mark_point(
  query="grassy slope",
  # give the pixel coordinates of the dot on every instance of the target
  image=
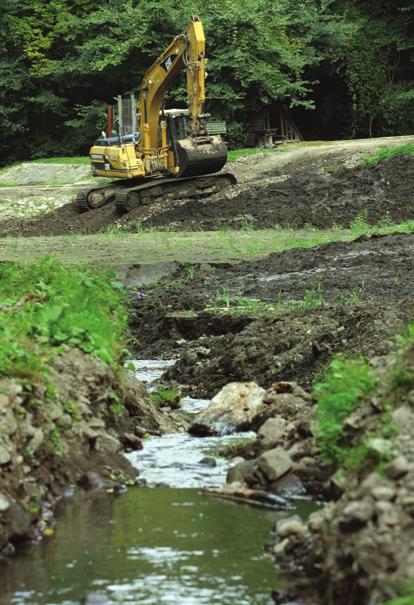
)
(118, 249)
(44, 306)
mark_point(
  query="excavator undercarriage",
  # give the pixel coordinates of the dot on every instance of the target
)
(128, 195)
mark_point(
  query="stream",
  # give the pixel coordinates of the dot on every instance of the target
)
(161, 544)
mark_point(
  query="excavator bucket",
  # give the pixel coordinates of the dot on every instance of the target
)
(204, 155)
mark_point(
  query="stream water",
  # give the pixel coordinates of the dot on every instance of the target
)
(153, 545)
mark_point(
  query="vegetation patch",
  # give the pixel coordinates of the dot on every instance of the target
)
(167, 397)
(338, 395)
(45, 305)
(387, 152)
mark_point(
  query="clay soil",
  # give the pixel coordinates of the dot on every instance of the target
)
(341, 297)
(319, 186)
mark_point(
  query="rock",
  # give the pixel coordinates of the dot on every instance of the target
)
(382, 492)
(272, 431)
(207, 461)
(288, 486)
(37, 440)
(4, 503)
(8, 424)
(54, 411)
(132, 442)
(241, 473)
(96, 423)
(380, 447)
(397, 468)
(87, 432)
(355, 515)
(232, 409)
(408, 504)
(274, 464)
(280, 547)
(65, 421)
(292, 526)
(5, 456)
(105, 442)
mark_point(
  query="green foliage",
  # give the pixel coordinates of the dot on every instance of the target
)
(387, 152)
(406, 596)
(46, 305)
(62, 62)
(346, 381)
(167, 397)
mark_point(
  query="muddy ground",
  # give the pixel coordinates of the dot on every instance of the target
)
(337, 297)
(322, 187)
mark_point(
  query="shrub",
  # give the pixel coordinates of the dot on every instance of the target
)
(346, 381)
(45, 305)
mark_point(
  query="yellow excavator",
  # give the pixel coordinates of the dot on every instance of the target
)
(172, 151)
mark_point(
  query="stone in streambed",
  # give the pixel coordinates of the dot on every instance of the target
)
(242, 473)
(232, 409)
(272, 431)
(274, 464)
(208, 461)
(292, 526)
(132, 442)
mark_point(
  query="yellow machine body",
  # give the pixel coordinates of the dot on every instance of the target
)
(169, 142)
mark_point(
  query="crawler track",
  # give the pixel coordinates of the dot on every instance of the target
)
(132, 194)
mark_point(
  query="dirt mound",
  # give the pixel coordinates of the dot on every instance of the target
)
(291, 347)
(349, 297)
(304, 196)
(300, 193)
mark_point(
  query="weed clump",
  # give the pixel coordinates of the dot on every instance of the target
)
(45, 305)
(338, 395)
(387, 152)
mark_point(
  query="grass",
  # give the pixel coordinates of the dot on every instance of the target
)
(117, 248)
(338, 395)
(406, 597)
(45, 305)
(347, 383)
(166, 397)
(387, 152)
(63, 160)
(231, 449)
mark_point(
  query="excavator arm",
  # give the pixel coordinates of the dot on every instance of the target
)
(186, 51)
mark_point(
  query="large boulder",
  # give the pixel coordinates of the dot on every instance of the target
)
(233, 409)
(274, 464)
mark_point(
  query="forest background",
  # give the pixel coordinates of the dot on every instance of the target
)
(345, 68)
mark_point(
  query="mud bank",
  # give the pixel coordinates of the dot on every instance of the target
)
(315, 190)
(70, 434)
(358, 550)
(328, 299)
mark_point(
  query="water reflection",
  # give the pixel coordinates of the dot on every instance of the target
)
(151, 546)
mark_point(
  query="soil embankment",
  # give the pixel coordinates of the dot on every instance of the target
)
(317, 302)
(75, 438)
(321, 187)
